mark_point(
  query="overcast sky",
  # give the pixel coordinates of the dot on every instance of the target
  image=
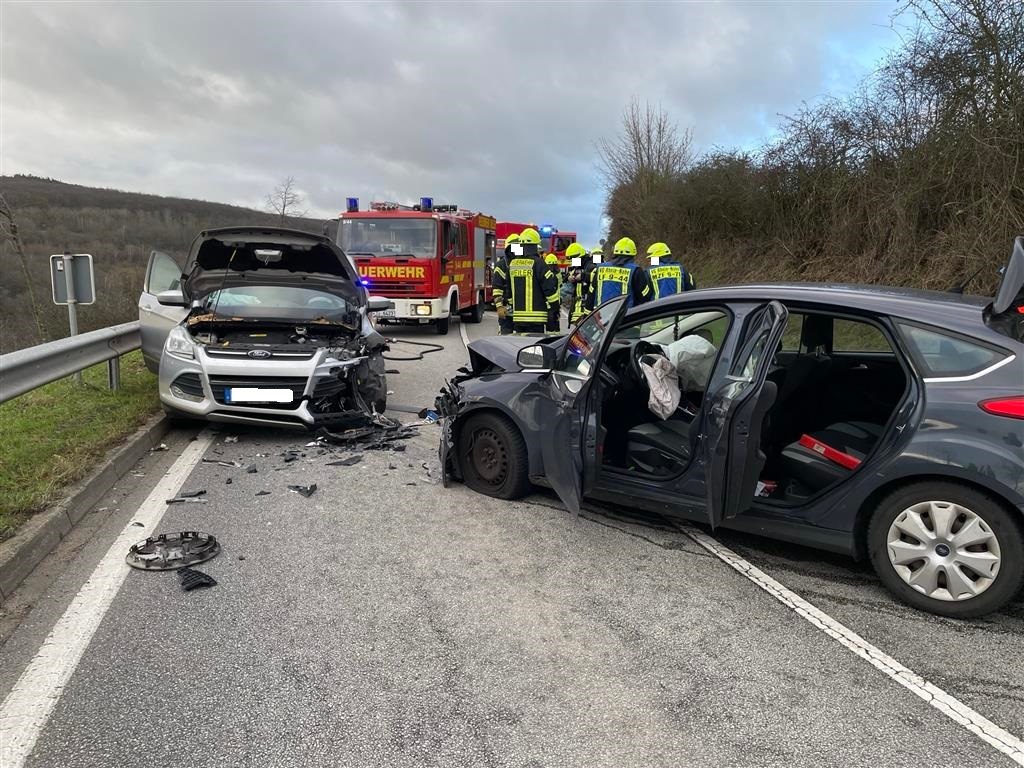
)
(494, 106)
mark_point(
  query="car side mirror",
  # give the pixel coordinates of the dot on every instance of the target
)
(536, 357)
(172, 298)
(379, 304)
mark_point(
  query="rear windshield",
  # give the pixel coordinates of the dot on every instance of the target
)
(943, 355)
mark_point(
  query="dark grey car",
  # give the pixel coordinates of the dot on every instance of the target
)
(874, 422)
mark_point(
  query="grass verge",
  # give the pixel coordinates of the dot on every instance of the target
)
(53, 435)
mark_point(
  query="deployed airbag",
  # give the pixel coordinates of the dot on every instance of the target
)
(663, 381)
(694, 357)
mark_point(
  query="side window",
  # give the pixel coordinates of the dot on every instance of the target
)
(463, 239)
(164, 274)
(944, 355)
(691, 342)
(855, 336)
(584, 345)
(791, 336)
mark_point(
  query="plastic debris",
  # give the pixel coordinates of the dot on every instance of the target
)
(231, 439)
(290, 457)
(186, 497)
(251, 469)
(303, 490)
(156, 448)
(345, 462)
(428, 416)
(193, 579)
(169, 551)
(262, 493)
(222, 463)
(241, 557)
(228, 481)
(138, 524)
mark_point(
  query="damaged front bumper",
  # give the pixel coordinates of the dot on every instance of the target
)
(449, 404)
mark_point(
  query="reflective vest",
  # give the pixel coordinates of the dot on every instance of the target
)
(529, 304)
(668, 279)
(611, 280)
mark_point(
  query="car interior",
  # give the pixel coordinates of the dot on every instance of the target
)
(838, 382)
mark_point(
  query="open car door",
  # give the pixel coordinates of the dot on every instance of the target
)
(563, 400)
(731, 445)
(156, 320)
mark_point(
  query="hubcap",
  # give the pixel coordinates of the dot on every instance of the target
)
(943, 550)
(489, 457)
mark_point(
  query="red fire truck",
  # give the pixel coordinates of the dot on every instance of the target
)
(551, 239)
(432, 261)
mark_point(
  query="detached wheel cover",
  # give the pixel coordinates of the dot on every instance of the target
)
(943, 550)
(170, 551)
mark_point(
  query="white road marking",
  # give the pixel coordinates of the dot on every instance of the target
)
(955, 710)
(29, 704)
(464, 333)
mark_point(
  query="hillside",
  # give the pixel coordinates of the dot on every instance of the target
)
(118, 228)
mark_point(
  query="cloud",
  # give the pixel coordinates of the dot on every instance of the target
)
(493, 106)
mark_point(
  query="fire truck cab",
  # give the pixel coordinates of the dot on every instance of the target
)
(551, 239)
(432, 261)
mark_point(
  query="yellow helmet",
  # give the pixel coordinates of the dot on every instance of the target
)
(513, 238)
(624, 246)
(659, 250)
(530, 236)
(596, 251)
(575, 250)
(551, 259)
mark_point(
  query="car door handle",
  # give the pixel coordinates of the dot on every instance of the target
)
(146, 308)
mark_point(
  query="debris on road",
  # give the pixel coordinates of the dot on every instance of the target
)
(252, 469)
(303, 490)
(193, 497)
(428, 416)
(169, 551)
(290, 457)
(138, 524)
(193, 579)
(231, 439)
(345, 462)
(161, 447)
(262, 493)
(228, 481)
(222, 463)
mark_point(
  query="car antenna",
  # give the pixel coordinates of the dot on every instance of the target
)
(222, 282)
(962, 286)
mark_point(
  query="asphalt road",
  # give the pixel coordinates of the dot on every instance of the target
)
(388, 621)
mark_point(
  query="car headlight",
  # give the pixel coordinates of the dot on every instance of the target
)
(180, 344)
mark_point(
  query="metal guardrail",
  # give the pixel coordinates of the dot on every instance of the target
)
(26, 369)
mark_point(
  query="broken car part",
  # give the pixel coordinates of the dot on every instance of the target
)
(303, 490)
(193, 579)
(345, 462)
(169, 551)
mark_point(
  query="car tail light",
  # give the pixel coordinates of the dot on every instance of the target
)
(1012, 407)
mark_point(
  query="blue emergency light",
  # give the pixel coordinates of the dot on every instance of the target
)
(352, 204)
(546, 230)
(426, 204)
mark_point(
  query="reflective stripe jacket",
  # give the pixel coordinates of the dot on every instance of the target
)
(532, 286)
(582, 290)
(669, 279)
(499, 281)
(621, 277)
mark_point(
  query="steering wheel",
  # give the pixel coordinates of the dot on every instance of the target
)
(640, 349)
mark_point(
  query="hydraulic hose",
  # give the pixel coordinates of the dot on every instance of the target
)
(418, 355)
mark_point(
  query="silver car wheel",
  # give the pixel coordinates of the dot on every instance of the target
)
(943, 550)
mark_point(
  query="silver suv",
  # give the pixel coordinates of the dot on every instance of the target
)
(263, 325)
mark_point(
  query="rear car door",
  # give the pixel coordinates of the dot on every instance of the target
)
(731, 443)
(155, 320)
(569, 447)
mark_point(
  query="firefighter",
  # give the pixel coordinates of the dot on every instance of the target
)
(499, 287)
(622, 276)
(532, 286)
(667, 275)
(554, 324)
(579, 279)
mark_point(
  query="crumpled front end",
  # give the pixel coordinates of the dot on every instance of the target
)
(449, 404)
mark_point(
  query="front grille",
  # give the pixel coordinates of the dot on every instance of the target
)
(328, 386)
(385, 287)
(297, 384)
(237, 354)
(190, 384)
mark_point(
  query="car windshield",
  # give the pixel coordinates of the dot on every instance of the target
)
(274, 302)
(411, 237)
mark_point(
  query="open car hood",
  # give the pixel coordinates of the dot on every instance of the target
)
(226, 258)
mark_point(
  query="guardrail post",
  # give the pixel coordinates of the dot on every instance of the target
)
(114, 374)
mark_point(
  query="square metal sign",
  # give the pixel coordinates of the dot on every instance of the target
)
(82, 277)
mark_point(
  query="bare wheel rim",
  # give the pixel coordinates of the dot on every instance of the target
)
(943, 550)
(489, 457)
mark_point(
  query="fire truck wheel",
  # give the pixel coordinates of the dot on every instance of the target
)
(476, 312)
(446, 323)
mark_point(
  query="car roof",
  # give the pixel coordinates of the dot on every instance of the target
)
(947, 310)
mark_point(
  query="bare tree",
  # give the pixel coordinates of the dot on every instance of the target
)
(650, 148)
(286, 201)
(9, 231)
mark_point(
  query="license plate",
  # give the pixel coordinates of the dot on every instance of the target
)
(257, 395)
(385, 313)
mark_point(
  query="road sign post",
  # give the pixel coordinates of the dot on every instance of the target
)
(73, 283)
